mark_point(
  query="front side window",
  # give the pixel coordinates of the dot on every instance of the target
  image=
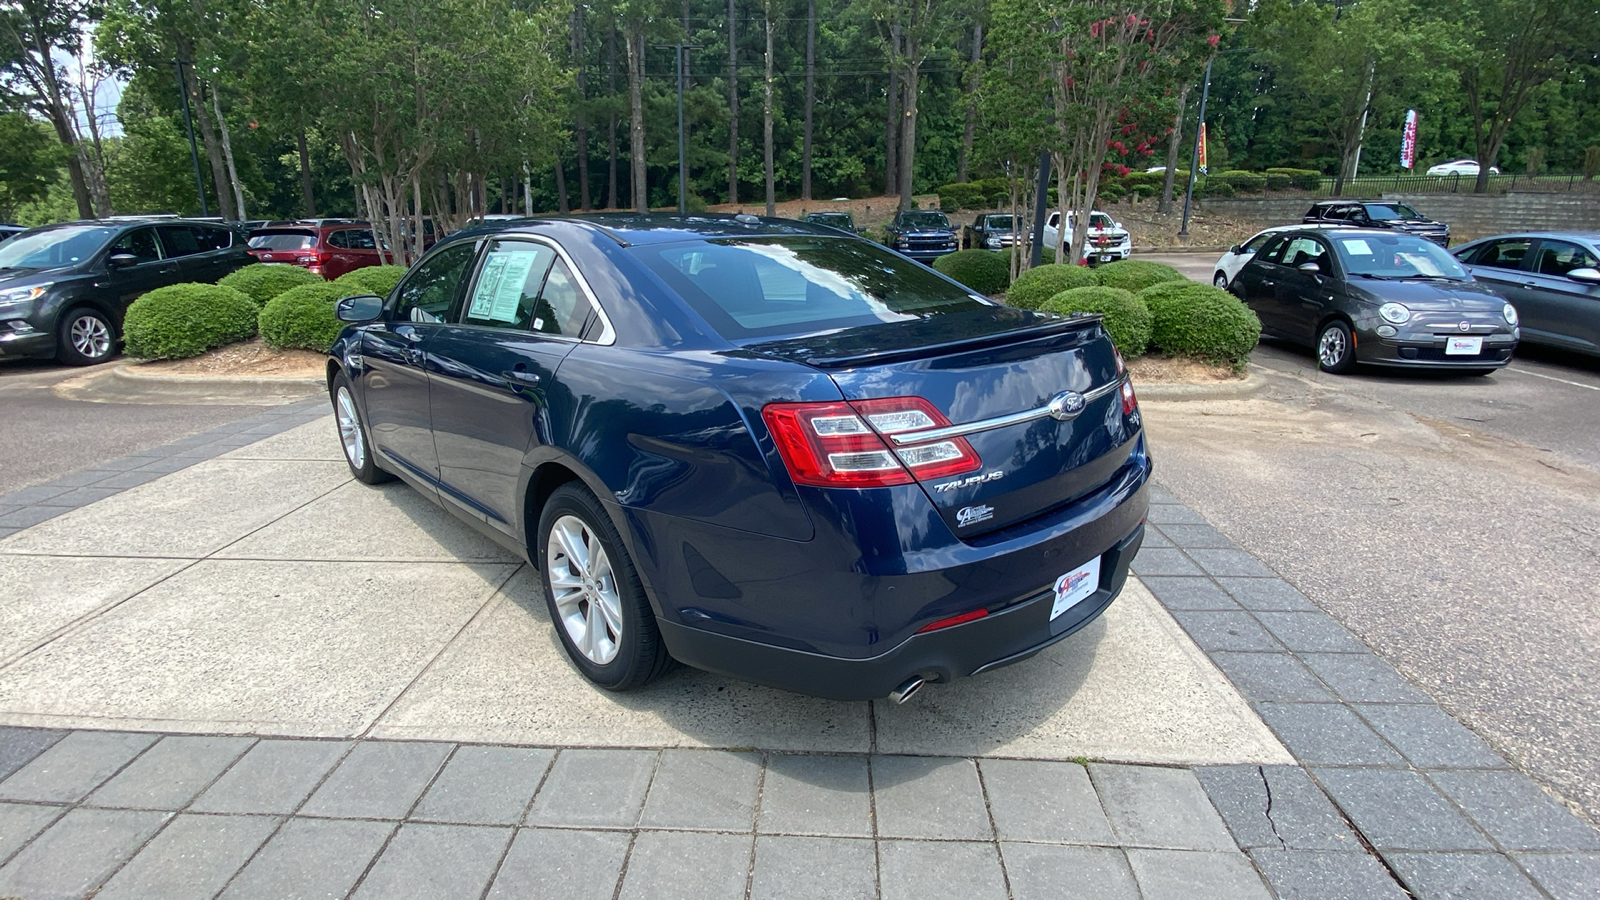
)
(1561, 257)
(1302, 250)
(139, 243)
(429, 290)
(1396, 256)
(759, 287)
(506, 294)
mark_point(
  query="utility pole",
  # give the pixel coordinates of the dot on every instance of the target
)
(681, 52)
(194, 153)
(1194, 155)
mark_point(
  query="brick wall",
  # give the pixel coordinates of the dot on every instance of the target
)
(1468, 215)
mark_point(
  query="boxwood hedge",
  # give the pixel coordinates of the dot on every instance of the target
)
(263, 281)
(1126, 318)
(1135, 274)
(378, 280)
(1033, 287)
(1201, 321)
(985, 271)
(183, 320)
(302, 318)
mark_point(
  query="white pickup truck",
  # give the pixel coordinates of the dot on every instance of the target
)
(1107, 240)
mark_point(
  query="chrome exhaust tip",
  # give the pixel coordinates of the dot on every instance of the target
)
(905, 691)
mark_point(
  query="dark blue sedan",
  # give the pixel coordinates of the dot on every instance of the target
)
(755, 446)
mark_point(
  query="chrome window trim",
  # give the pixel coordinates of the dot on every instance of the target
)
(908, 438)
(608, 335)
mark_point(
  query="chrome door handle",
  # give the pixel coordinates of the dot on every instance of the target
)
(522, 375)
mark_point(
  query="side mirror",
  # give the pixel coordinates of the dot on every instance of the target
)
(122, 260)
(1311, 267)
(1587, 275)
(1236, 249)
(361, 308)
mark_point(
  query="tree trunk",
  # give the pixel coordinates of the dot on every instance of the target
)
(908, 130)
(811, 99)
(766, 121)
(80, 187)
(561, 185)
(307, 196)
(580, 131)
(611, 121)
(733, 104)
(208, 136)
(1174, 142)
(891, 125)
(227, 155)
(419, 235)
(635, 42)
(974, 77)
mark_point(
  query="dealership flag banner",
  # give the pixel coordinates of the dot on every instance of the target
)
(1408, 141)
(1202, 148)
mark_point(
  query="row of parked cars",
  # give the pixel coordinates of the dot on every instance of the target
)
(926, 235)
(1372, 282)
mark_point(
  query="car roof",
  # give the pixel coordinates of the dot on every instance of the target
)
(630, 229)
(1592, 237)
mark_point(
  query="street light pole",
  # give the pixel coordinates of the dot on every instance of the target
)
(1194, 155)
(681, 52)
(194, 153)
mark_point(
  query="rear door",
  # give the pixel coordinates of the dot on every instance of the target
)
(493, 374)
(1258, 284)
(1300, 296)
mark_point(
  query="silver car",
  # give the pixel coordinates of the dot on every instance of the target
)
(1552, 278)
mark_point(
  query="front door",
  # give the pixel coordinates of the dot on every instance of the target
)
(495, 393)
(148, 270)
(1568, 311)
(394, 385)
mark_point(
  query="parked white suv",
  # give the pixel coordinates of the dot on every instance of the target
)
(1107, 241)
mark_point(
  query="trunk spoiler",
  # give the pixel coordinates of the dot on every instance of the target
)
(865, 346)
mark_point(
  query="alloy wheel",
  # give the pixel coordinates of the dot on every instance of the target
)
(90, 336)
(355, 449)
(1220, 280)
(1332, 348)
(585, 589)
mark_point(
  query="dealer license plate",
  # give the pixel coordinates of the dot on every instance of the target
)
(1106, 257)
(1464, 346)
(1075, 587)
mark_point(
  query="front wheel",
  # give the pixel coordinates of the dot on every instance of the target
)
(86, 337)
(1336, 349)
(353, 435)
(594, 594)
(1220, 280)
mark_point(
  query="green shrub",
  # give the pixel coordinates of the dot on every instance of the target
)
(1242, 181)
(1033, 287)
(961, 195)
(1047, 256)
(302, 318)
(985, 271)
(1215, 188)
(1135, 274)
(184, 320)
(1126, 317)
(378, 280)
(1277, 181)
(1201, 321)
(1110, 193)
(263, 281)
(1304, 179)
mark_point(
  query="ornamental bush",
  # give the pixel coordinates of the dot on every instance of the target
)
(1201, 321)
(1033, 287)
(183, 320)
(985, 271)
(1277, 181)
(378, 280)
(961, 195)
(263, 281)
(1304, 179)
(302, 318)
(1135, 274)
(1216, 188)
(1242, 181)
(1126, 318)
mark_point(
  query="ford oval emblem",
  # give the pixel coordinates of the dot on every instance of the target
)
(1065, 405)
(1465, 326)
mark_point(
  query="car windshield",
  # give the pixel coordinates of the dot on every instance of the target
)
(1396, 256)
(790, 286)
(56, 247)
(832, 220)
(1381, 212)
(923, 220)
(282, 240)
(998, 223)
(1100, 220)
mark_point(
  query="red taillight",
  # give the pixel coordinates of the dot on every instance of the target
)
(842, 443)
(1129, 401)
(953, 620)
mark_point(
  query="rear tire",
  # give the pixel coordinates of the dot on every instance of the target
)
(85, 336)
(596, 600)
(1336, 348)
(353, 434)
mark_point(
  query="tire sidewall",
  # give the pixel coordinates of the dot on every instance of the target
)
(1348, 361)
(69, 354)
(368, 473)
(635, 662)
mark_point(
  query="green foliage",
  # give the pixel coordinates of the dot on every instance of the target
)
(1242, 181)
(1126, 317)
(1135, 274)
(378, 280)
(30, 162)
(1033, 287)
(1212, 187)
(302, 318)
(985, 271)
(1201, 321)
(954, 197)
(1304, 179)
(263, 281)
(1277, 181)
(184, 320)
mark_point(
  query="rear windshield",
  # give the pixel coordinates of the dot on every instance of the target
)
(832, 220)
(283, 240)
(784, 286)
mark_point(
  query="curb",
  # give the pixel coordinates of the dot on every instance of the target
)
(1226, 390)
(119, 385)
(127, 372)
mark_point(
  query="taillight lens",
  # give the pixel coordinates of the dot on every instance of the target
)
(841, 443)
(1129, 401)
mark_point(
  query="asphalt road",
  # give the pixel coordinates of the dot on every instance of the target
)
(46, 435)
(1451, 522)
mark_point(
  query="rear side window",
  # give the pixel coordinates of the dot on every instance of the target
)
(1502, 254)
(283, 240)
(208, 239)
(762, 287)
(354, 239)
(178, 240)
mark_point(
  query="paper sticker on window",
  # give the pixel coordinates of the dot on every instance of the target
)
(1357, 248)
(498, 296)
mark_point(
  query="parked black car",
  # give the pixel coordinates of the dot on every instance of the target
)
(1377, 297)
(1553, 279)
(64, 288)
(841, 220)
(1385, 214)
(990, 232)
(756, 446)
(923, 235)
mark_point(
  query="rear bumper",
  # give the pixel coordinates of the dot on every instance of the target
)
(1010, 635)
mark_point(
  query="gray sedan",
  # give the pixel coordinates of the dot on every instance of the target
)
(1553, 279)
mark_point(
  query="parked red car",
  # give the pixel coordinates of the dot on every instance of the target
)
(328, 247)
